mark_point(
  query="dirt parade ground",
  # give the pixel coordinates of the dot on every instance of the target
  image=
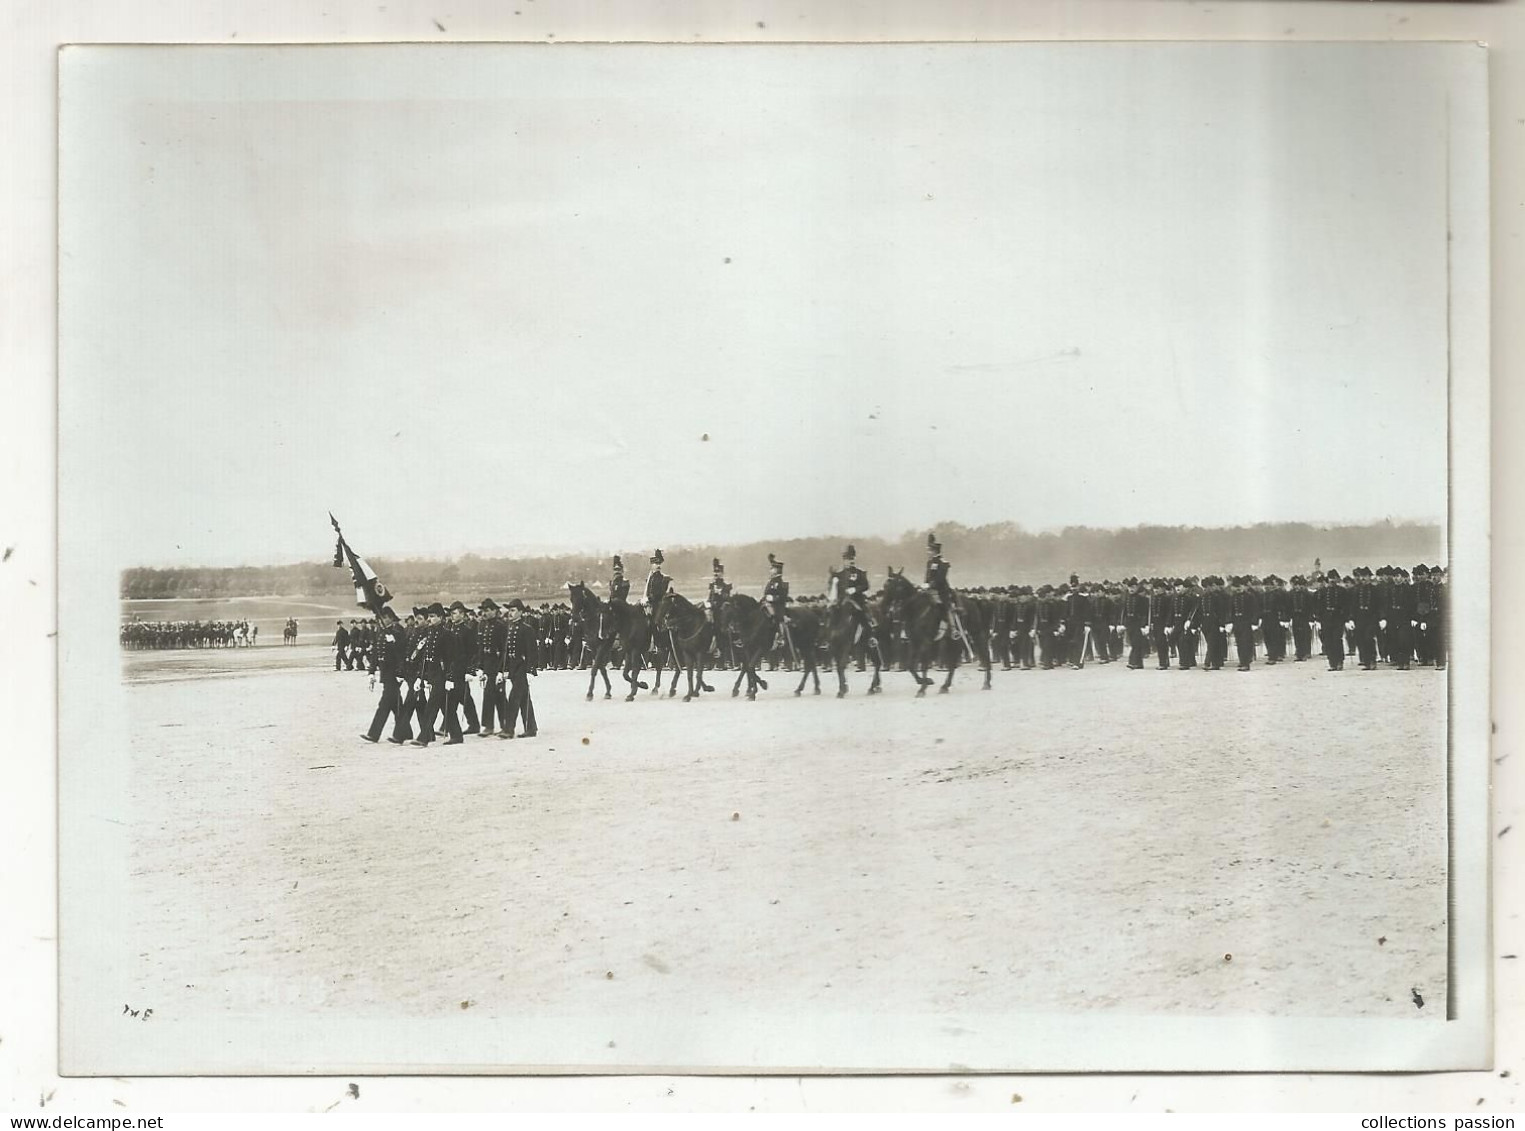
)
(1188, 843)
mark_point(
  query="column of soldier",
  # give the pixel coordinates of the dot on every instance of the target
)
(139, 635)
(425, 662)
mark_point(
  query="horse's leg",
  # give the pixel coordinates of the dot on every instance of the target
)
(839, 660)
(951, 658)
(592, 679)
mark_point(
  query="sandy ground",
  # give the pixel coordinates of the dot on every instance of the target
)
(1074, 841)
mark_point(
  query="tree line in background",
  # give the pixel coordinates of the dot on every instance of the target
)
(994, 554)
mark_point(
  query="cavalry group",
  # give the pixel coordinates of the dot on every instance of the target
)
(427, 660)
(152, 634)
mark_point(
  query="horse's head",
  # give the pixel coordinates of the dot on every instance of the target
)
(896, 587)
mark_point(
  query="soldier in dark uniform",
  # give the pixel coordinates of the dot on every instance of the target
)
(1334, 608)
(1367, 615)
(853, 587)
(429, 650)
(468, 645)
(1186, 604)
(937, 583)
(1244, 616)
(392, 645)
(656, 581)
(520, 661)
(1161, 621)
(1104, 609)
(490, 637)
(1301, 613)
(1399, 620)
(1425, 607)
(1024, 618)
(1214, 623)
(1048, 614)
(1078, 616)
(1273, 618)
(775, 597)
(1440, 626)
(714, 601)
(455, 659)
(1135, 614)
(341, 644)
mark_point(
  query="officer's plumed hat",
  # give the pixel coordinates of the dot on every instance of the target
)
(933, 545)
(657, 559)
(774, 563)
(850, 553)
(717, 566)
(618, 564)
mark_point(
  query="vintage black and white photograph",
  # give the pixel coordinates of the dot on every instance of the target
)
(933, 557)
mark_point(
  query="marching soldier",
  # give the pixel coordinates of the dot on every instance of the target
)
(1440, 626)
(393, 648)
(520, 661)
(456, 643)
(490, 637)
(341, 645)
(430, 695)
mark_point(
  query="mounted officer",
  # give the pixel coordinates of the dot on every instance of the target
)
(852, 589)
(937, 584)
(775, 596)
(656, 581)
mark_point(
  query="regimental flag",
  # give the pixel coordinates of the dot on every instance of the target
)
(370, 593)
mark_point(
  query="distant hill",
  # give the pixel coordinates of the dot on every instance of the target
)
(996, 554)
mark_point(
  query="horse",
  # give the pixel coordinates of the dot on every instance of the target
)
(630, 627)
(754, 631)
(690, 634)
(843, 630)
(920, 617)
(289, 636)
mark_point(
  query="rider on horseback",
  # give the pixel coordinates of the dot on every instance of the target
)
(937, 584)
(656, 581)
(853, 589)
(720, 589)
(619, 593)
(775, 596)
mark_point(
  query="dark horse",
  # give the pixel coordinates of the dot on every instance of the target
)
(920, 617)
(602, 624)
(843, 631)
(689, 633)
(753, 630)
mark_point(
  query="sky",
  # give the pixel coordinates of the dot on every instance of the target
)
(497, 298)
